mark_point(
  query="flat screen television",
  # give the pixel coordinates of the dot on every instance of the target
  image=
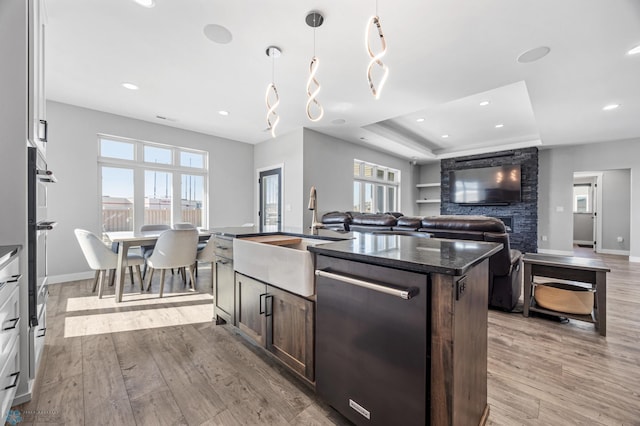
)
(487, 185)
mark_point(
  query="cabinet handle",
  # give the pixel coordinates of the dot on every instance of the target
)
(15, 381)
(269, 312)
(15, 324)
(46, 131)
(12, 279)
(44, 331)
(262, 311)
(403, 294)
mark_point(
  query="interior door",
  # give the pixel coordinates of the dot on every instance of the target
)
(270, 212)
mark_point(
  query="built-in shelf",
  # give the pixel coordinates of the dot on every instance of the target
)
(428, 185)
(428, 193)
(427, 201)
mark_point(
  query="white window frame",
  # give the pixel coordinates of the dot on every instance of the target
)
(384, 182)
(139, 166)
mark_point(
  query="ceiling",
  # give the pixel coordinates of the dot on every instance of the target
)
(444, 57)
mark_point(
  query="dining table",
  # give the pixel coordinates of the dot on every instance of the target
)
(128, 239)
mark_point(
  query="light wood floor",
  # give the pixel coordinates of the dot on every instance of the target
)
(152, 361)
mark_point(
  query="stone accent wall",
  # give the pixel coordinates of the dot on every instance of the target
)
(523, 215)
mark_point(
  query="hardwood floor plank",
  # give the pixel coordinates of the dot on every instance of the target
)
(157, 408)
(62, 402)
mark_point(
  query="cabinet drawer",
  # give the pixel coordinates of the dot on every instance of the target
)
(9, 319)
(9, 380)
(9, 274)
(223, 247)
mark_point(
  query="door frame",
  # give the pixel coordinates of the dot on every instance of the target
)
(259, 189)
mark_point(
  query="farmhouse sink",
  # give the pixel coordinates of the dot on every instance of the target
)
(285, 263)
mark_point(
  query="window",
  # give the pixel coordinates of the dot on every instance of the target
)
(375, 188)
(147, 183)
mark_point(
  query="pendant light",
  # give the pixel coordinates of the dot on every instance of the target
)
(314, 20)
(376, 57)
(272, 93)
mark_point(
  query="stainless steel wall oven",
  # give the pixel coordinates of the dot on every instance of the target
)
(39, 176)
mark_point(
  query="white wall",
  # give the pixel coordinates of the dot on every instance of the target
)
(328, 165)
(555, 186)
(286, 151)
(74, 201)
(616, 211)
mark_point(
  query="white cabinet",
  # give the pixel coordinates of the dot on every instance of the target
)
(38, 127)
(10, 317)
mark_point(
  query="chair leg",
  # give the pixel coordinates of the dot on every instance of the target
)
(144, 270)
(131, 273)
(150, 278)
(193, 278)
(162, 271)
(139, 278)
(213, 271)
(184, 276)
(101, 280)
(95, 281)
(112, 277)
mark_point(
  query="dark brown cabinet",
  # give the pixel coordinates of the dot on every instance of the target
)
(280, 321)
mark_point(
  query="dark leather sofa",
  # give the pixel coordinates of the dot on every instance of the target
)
(505, 272)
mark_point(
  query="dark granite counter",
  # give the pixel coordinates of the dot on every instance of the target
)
(450, 257)
(6, 252)
(252, 231)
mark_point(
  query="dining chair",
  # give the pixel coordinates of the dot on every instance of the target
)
(184, 225)
(102, 259)
(175, 248)
(147, 250)
(207, 255)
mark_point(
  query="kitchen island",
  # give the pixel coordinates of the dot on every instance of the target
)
(401, 329)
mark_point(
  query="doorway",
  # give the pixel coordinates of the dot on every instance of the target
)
(270, 189)
(586, 196)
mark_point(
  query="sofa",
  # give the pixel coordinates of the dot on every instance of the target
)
(505, 270)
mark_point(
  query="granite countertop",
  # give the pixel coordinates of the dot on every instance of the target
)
(450, 257)
(252, 231)
(6, 252)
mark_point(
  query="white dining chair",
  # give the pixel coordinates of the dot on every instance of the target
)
(147, 250)
(207, 255)
(102, 259)
(175, 248)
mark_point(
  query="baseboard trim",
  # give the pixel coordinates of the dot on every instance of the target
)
(616, 252)
(589, 243)
(558, 252)
(57, 279)
(634, 259)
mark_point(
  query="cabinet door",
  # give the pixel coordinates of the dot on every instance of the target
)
(290, 330)
(224, 292)
(251, 295)
(37, 104)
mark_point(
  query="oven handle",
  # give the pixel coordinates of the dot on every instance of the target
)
(46, 176)
(403, 294)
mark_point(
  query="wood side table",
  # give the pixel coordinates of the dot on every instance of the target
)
(592, 272)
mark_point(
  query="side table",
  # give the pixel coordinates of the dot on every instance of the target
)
(583, 270)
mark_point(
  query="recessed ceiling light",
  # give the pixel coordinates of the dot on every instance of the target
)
(362, 138)
(217, 34)
(223, 112)
(484, 103)
(634, 51)
(130, 86)
(420, 120)
(499, 126)
(445, 136)
(146, 3)
(610, 107)
(339, 121)
(533, 54)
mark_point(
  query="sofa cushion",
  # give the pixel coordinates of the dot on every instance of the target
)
(384, 220)
(464, 223)
(336, 218)
(408, 223)
(454, 234)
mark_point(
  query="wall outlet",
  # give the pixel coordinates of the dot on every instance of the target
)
(620, 239)
(544, 238)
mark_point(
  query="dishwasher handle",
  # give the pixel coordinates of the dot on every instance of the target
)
(405, 294)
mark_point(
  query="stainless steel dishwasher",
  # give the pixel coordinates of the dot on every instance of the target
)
(372, 342)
